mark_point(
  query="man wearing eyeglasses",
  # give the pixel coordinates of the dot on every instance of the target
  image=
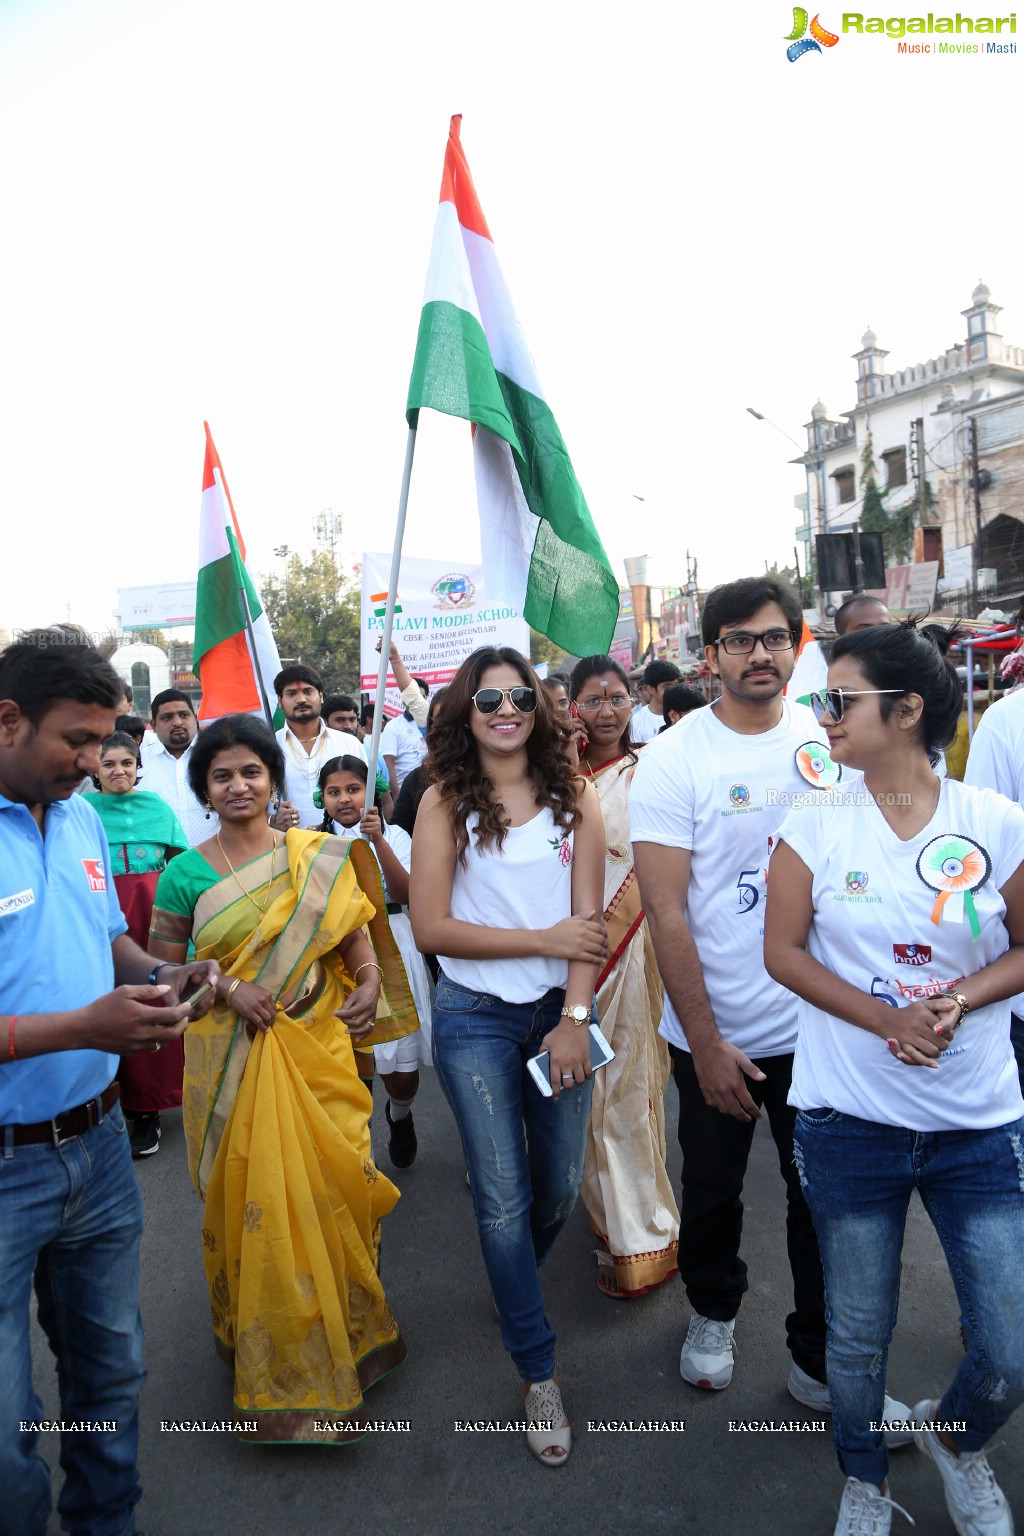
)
(707, 798)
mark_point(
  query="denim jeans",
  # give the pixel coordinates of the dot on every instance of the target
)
(716, 1149)
(858, 1178)
(71, 1221)
(524, 1152)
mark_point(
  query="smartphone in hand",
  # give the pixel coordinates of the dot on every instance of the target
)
(601, 1054)
(198, 990)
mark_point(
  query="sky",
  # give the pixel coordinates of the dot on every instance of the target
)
(222, 210)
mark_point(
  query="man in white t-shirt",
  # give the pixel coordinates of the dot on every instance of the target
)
(403, 744)
(996, 761)
(707, 799)
(647, 721)
(307, 744)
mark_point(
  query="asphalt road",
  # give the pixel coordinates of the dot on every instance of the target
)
(617, 1360)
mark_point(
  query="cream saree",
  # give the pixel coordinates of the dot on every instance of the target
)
(626, 1189)
(279, 1144)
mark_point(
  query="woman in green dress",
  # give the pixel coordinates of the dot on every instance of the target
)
(143, 834)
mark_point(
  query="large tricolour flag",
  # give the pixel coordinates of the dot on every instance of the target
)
(539, 545)
(222, 655)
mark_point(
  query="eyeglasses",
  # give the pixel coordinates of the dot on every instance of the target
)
(489, 700)
(591, 706)
(742, 643)
(833, 700)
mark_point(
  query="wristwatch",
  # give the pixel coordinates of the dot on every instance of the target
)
(579, 1014)
(965, 1007)
(154, 973)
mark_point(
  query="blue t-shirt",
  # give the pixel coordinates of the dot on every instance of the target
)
(59, 915)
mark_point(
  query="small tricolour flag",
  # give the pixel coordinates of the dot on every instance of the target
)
(380, 603)
(540, 548)
(222, 655)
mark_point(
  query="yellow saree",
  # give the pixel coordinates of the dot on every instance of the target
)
(626, 1189)
(279, 1145)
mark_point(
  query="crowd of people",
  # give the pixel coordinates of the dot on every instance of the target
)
(557, 896)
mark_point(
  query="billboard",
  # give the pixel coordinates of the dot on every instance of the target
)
(162, 606)
(443, 611)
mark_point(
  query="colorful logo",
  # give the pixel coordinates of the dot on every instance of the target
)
(739, 794)
(816, 766)
(380, 604)
(912, 954)
(799, 44)
(856, 881)
(453, 591)
(956, 867)
(95, 874)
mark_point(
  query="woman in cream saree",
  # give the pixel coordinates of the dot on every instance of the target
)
(626, 1189)
(275, 1116)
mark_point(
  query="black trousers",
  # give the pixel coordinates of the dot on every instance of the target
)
(715, 1152)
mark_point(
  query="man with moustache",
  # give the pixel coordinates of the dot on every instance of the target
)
(76, 993)
(165, 759)
(707, 799)
(307, 744)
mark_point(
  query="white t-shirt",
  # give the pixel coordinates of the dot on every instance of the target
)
(724, 795)
(887, 918)
(302, 768)
(525, 884)
(403, 740)
(996, 758)
(644, 725)
(397, 839)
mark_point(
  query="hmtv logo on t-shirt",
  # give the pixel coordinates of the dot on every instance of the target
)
(95, 874)
(912, 954)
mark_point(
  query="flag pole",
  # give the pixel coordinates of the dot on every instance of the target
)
(389, 619)
(254, 655)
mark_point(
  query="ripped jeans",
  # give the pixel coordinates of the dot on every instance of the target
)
(524, 1152)
(858, 1177)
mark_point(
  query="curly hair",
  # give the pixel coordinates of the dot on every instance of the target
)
(453, 760)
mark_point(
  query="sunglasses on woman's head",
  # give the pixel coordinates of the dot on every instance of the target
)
(489, 700)
(832, 701)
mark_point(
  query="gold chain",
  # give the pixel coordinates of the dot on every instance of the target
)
(241, 887)
(308, 763)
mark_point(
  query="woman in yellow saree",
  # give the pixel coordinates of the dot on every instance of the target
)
(275, 1115)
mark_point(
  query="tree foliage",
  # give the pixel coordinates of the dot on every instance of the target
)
(543, 649)
(802, 585)
(897, 527)
(315, 615)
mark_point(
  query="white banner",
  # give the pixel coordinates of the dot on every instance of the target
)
(157, 607)
(446, 613)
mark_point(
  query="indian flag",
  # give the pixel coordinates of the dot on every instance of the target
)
(810, 674)
(539, 545)
(222, 657)
(380, 604)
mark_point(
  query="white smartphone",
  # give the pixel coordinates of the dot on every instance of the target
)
(601, 1054)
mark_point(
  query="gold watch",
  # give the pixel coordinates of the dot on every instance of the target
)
(579, 1014)
(965, 1007)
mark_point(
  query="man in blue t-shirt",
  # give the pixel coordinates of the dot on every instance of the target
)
(75, 994)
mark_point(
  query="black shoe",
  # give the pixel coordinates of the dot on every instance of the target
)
(402, 1145)
(145, 1135)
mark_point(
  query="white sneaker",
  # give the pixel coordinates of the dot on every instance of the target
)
(973, 1497)
(815, 1394)
(864, 1511)
(707, 1357)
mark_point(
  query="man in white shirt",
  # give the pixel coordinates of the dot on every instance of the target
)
(996, 761)
(403, 743)
(165, 757)
(707, 798)
(647, 721)
(307, 745)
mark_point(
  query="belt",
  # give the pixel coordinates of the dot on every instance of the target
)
(392, 908)
(73, 1122)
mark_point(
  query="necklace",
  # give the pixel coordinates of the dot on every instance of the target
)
(586, 763)
(308, 762)
(241, 887)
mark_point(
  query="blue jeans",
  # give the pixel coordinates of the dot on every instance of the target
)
(524, 1152)
(858, 1178)
(71, 1221)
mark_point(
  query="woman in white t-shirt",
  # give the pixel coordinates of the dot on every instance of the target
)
(896, 913)
(341, 795)
(506, 889)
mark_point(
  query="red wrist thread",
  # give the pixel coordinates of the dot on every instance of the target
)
(12, 1054)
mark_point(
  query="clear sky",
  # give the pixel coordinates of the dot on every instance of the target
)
(223, 209)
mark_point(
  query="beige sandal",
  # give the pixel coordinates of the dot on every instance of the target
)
(550, 1439)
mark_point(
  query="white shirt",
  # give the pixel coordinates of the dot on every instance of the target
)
(302, 768)
(885, 920)
(403, 740)
(724, 795)
(397, 839)
(996, 757)
(527, 883)
(644, 725)
(167, 776)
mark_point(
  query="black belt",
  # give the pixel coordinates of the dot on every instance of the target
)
(392, 908)
(73, 1122)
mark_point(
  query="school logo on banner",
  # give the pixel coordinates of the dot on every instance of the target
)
(453, 591)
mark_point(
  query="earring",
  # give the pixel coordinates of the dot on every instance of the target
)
(318, 800)
(209, 809)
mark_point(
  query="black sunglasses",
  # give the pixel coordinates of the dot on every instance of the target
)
(832, 701)
(489, 700)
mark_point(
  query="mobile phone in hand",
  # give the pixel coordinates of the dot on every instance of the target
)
(601, 1054)
(192, 994)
